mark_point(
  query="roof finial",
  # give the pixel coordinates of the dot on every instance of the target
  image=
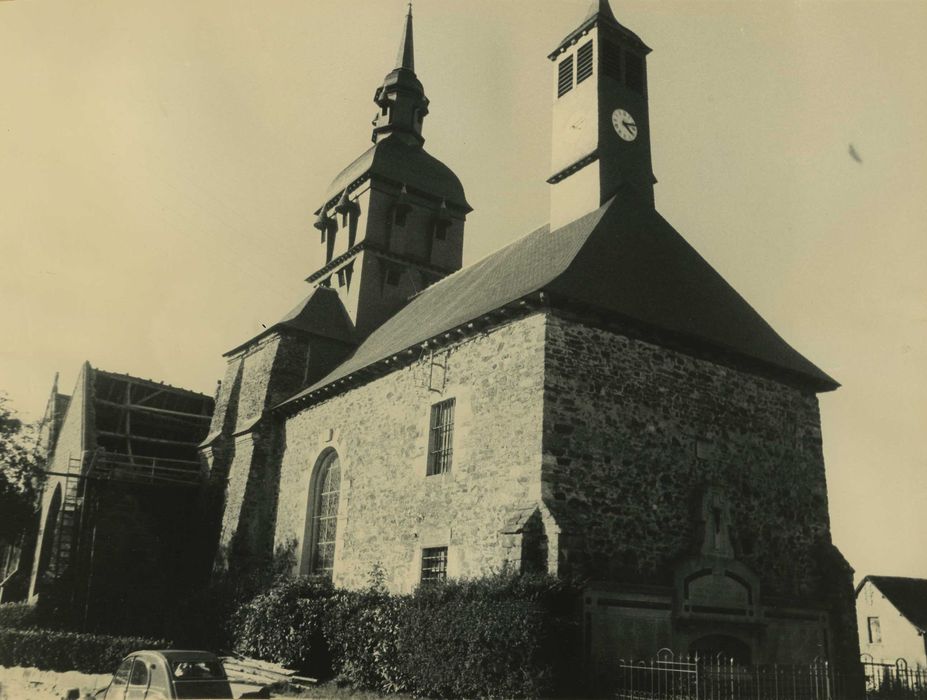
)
(406, 57)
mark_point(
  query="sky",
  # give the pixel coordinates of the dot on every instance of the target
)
(160, 162)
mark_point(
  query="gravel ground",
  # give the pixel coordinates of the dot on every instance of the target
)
(32, 684)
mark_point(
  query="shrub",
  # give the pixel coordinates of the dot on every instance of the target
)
(284, 625)
(51, 650)
(17, 615)
(363, 630)
(502, 636)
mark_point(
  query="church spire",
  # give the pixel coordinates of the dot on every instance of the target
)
(401, 99)
(406, 57)
(601, 8)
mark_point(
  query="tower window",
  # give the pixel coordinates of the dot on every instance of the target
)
(565, 76)
(399, 215)
(441, 229)
(434, 563)
(441, 437)
(392, 276)
(634, 72)
(584, 62)
(611, 60)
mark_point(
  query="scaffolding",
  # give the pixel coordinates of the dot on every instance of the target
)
(136, 433)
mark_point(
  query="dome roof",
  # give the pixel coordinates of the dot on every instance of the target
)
(397, 161)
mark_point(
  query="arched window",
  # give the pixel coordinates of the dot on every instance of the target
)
(323, 516)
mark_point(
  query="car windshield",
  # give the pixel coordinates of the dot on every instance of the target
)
(200, 679)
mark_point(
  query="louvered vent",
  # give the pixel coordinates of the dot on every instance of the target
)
(565, 76)
(584, 62)
(611, 60)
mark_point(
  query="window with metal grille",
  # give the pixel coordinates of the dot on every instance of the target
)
(565, 76)
(634, 72)
(584, 62)
(434, 563)
(325, 516)
(441, 437)
(611, 60)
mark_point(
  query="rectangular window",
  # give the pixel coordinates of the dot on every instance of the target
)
(565, 76)
(634, 72)
(584, 62)
(875, 631)
(434, 564)
(611, 60)
(441, 437)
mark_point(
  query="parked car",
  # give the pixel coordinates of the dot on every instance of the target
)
(166, 675)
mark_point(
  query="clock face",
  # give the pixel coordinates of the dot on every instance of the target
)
(624, 124)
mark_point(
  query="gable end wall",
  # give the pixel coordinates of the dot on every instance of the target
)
(632, 433)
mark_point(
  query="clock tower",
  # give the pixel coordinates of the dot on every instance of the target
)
(601, 127)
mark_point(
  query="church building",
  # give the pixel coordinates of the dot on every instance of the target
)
(593, 400)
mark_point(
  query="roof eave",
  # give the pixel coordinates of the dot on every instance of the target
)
(591, 22)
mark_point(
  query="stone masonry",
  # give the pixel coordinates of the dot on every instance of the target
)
(389, 509)
(632, 431)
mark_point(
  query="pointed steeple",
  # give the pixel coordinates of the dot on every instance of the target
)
(406, 56)
(600, 8)
(401, 99)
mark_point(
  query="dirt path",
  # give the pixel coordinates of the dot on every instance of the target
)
(32, 684)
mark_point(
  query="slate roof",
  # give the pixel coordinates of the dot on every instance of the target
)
(406, 163)
(908, 595)
(320, 313)
(622, 258)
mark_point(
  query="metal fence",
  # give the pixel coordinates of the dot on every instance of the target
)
(667, 677)
(670, 677)
(894, 681)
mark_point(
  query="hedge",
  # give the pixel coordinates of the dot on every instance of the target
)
(18, 615)
(502, 636)
(284, 625)
(52, 650)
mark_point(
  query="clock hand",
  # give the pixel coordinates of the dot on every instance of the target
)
(629, 126)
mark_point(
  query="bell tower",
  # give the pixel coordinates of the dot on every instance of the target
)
(392, 222)
(601, 124)
(401, 98)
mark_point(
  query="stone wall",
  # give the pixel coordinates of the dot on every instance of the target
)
(260, 376)
(634, 431)
(389, 509)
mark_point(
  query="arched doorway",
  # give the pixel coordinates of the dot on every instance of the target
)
(714, 646)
